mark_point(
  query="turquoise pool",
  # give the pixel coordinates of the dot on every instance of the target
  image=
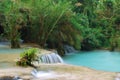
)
(98, 60)
(10, 51)
(5, 48)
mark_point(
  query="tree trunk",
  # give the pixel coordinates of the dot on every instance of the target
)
(15, 44)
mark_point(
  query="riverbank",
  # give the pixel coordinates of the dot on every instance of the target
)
(61, 72)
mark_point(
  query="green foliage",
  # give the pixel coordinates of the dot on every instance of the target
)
(50, 19)
(100, 17)
(27, 57)
(48, 16)
(87, 35)
(107, 15)
(118, 42)
(91, 24)
(13, 21)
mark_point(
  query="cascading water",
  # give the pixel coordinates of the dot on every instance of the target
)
(54, 57)
(47, 58)
(69, 49)
(51, 58)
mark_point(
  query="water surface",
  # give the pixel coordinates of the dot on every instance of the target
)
(98, 60)
(10, 51)
(8, 56)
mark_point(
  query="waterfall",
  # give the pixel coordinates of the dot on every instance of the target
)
(69, 49)
(43, 74)
(51, 58)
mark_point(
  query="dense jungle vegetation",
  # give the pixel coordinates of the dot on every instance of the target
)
(84, 24)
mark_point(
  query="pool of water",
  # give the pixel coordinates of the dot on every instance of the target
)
(8, 57)
(5, 48)
(8, 50)
(98, 60)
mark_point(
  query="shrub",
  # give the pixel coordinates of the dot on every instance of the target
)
(27, 57)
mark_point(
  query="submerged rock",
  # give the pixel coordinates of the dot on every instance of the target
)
(10, 78)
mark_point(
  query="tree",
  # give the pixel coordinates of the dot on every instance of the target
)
(13, 21)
